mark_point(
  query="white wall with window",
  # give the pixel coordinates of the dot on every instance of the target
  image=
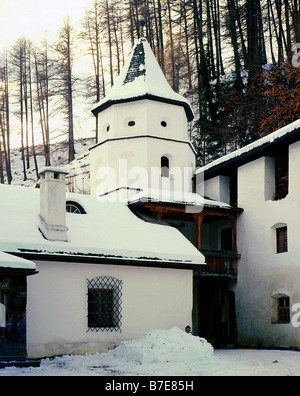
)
(268, 241)
(151, 298)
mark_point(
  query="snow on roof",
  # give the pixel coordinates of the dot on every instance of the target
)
(107, 230)
(271, 138)
(13, 262)
(140, 77)
(175, 197)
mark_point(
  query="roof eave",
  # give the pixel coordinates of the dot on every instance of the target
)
(98, 259)
(104, 105)
(248, 156)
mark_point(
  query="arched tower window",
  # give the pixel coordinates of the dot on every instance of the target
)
(165, 166)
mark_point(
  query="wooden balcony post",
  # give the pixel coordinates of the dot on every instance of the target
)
(198, 218)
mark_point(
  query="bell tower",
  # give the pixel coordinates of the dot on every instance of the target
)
(143, 132)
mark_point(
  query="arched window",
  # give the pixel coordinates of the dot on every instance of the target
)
(165, 166)
(74, 207)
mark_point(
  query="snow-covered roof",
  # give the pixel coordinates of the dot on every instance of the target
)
(9, 261)
(107, 231)
(250, 148)
(176, 197)
(142, 78)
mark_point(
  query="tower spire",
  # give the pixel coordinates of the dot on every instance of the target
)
(142, 78)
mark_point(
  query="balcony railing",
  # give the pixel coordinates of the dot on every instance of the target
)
(220, 263)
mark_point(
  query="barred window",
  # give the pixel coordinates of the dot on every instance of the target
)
(104, 304)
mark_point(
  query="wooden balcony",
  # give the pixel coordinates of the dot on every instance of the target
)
(220, 263)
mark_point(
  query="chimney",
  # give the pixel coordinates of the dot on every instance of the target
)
(53, 203)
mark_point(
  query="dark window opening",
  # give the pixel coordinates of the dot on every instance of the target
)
(233, 177)
(281, 176)
(284, 310)
(107, 128)
(281, 240)
(131, 123)
(226, 239)
(163, 124)
(164, 163)
(100, 308)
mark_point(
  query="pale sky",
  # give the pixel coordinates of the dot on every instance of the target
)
(32, 17)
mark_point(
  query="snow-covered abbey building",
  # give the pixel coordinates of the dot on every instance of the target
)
(263, 179)
(81, 272)
(144, 157)
(240, 211)
(143, 240)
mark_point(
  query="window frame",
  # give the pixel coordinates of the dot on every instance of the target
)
(281, 246)
(78, 208)
(283, 312)
(102, 319)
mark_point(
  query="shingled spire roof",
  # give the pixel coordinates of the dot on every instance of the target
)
(142, 78)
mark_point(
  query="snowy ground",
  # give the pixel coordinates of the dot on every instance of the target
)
(168, 353)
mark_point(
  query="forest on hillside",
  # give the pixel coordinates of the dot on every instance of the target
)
(235, 60)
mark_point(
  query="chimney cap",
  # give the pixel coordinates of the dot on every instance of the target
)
(53, 169)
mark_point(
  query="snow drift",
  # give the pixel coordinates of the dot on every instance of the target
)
(158, 346)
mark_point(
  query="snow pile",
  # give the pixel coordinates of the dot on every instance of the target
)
(159, 346)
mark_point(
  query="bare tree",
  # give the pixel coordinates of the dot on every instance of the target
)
(42, 97)
(18, 54)
(64, 49)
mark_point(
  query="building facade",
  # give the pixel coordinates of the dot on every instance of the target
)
(264, 179)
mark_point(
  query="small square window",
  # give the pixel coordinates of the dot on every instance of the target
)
(281, 240)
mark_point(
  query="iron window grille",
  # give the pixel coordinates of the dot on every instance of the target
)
(104, 304)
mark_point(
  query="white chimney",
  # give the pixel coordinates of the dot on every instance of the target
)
(53, 203)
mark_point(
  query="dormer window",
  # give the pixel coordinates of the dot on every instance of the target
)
(74, 207)
(165, 167)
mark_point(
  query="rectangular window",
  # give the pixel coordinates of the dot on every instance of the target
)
(281, 240)
(100, 308)
(284, 310)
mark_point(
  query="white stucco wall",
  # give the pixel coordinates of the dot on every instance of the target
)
(152, 298)
(217, 188)
(147, 116)
(143, 158)
(263, 273)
